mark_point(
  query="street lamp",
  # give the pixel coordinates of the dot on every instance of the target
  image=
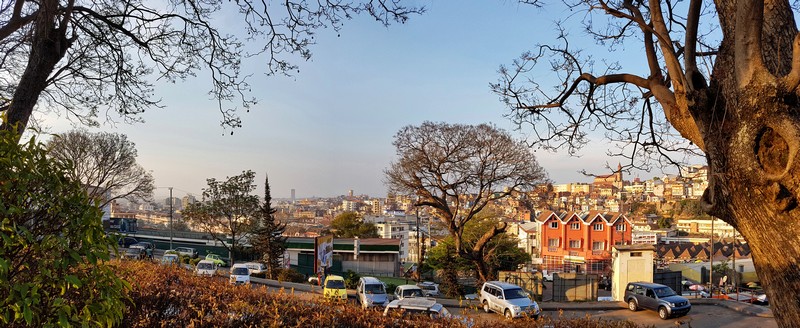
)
(170, 218)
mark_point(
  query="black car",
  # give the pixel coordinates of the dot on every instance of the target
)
(657, 297)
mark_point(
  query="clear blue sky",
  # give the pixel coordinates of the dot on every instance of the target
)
(329, 128)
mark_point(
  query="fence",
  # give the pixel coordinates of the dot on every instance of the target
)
(570, 287)
(530, 281)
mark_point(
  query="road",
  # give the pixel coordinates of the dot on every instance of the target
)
(700, 317)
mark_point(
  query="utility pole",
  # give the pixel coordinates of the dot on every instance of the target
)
(170, 218)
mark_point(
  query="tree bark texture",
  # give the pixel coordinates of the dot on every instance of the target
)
(752, 139)
(48, 47)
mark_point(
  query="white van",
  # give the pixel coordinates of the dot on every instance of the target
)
(205, 268)
(255, 267)
(240, 274)
(371, 292)
(507, 299)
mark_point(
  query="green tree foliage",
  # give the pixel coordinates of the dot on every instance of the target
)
(106, 162)
(227, 210)
(268, 237)
(664, 223)
(350, 224)
(53, 268)
(501, 253)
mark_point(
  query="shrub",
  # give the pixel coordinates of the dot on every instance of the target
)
(351, 279)
(290, 275)
(53, 256)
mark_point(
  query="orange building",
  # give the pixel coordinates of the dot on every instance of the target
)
(581, 241)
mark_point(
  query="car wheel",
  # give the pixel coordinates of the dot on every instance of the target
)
(662, 313)
(508, 314)
(486, 306)
(632, 305)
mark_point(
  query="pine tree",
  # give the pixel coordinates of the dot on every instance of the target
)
(269, 240)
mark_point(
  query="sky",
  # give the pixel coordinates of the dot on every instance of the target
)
(329, 128)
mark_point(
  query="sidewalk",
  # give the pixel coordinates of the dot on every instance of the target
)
(745, 308)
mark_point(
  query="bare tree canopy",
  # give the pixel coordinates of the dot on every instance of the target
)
(84, 58)
(105, 163)
(721, 79)
(457, 170)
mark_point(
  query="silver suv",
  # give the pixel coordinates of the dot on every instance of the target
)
(507, 299)
(657, 297)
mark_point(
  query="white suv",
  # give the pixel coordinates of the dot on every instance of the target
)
(507, 299)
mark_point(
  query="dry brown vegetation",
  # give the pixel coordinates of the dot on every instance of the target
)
(170, 296)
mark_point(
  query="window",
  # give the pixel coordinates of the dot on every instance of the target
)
(553, 242)
(636, 254)
(621, 227)
(575, 226)
(553, 225)
(574, 244)
(598, 245)
(598, 227)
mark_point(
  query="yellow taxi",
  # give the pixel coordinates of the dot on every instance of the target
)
(333, 288)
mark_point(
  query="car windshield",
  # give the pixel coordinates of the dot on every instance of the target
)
(427, 287)
(205, 266)
(133, 251)
(515, 293)
(664, 292)
(335, 284)
(374, 289)
(240, 271)
(412, 292)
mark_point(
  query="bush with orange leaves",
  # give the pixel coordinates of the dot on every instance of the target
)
(170, 296)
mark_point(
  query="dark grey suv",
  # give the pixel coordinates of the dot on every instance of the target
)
(657, 297)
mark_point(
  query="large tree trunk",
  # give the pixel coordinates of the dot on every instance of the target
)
(752, 146)
(48, 47)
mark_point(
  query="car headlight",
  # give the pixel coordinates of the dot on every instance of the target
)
(673, 304)
(516, 308)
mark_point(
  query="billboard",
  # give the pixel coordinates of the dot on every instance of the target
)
(323, 252)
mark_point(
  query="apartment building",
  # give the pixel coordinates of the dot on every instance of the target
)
(581, 241)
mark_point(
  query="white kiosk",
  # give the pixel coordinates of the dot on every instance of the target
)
(630, 263)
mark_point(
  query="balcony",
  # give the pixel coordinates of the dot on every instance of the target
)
(552, 249)
(598, 252)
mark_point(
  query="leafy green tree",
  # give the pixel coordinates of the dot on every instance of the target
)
(53, 269)
(227, 211)
(664, 222)
(106, 162)
(268, 237)
(350, 224)
(500, 254)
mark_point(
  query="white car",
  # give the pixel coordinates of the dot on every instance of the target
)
(255, 267)
(507, 299)
(240, 274)
(404, 291)
(205, 268)
(429, 288)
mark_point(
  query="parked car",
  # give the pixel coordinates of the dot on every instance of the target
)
(205, 268)
(126, 242)
(134, 253)
(417, 306)
(216, 259)
(507, 299)
(169, 259)
(429, 288)
(404, 291)
(657, 297)
(186, 251)
(371, 292)
(334, 288)
(240, 274)
(255, 267)
(145, 245)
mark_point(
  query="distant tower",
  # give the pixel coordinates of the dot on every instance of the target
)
(350, 193)
(293, 196)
